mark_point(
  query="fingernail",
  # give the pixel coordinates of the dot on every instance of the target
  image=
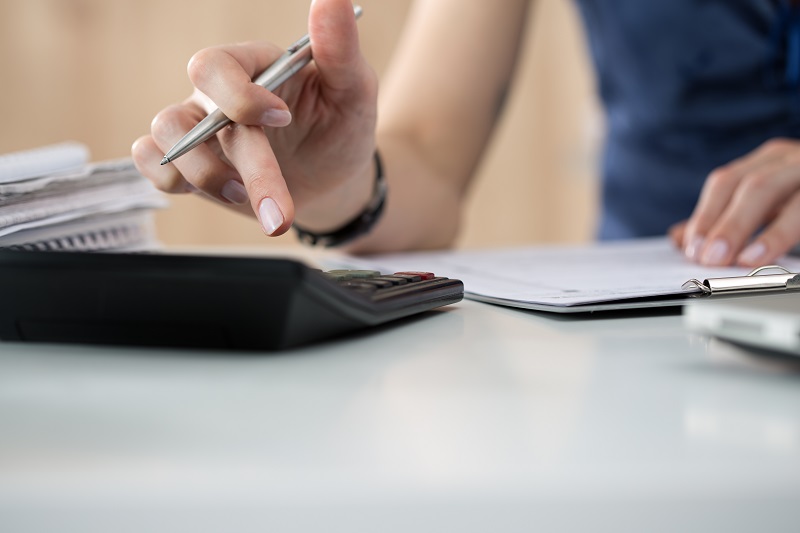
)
(752, 253)
(716, 253)
(190, 188)
(271, 216)
(276, 118)
(694, 247)
(234, 192)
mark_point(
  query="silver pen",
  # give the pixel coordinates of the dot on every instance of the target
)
(295, 58)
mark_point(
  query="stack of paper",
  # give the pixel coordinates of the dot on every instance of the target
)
(51, 198)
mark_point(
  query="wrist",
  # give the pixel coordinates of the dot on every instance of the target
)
(322, 212)
(351, 225)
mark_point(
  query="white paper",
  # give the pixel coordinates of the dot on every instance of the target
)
(50, 198)
(125, 230)
(563, 276)
(88, 174)
(98, 188)
(77, 204)
(26, 164)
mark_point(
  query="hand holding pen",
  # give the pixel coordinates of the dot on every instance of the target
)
(305, 147)
(295, 58)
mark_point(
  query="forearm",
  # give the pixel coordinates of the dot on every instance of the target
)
(422, 208)
(439, 104)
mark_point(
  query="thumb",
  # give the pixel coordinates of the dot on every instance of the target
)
(334, 42)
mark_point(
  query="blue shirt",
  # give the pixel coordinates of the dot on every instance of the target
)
(688, 85)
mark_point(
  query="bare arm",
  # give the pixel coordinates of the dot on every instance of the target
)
(437, 108)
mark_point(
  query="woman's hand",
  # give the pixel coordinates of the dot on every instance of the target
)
(304, 151)
(749, 210)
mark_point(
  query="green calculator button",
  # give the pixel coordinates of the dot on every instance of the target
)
(364, 274)
(344, 275)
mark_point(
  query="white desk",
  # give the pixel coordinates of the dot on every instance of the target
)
(478, 418)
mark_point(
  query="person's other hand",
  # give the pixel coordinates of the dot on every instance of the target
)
(749, 210)
(305, 150)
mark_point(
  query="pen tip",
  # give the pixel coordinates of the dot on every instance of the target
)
(164, 161)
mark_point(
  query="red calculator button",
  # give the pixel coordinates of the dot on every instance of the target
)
(410, 279)
(424, 275)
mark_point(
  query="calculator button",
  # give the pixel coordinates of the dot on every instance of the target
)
(395, 280)
(343, 275)
(408, 277)
(379, 283)
(339, 275)
(360, 286)
(362, 274)
(423, 275)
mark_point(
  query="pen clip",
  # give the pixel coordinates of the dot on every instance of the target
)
(755, 281)
(297, 45)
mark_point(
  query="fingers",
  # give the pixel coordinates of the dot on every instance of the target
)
(755, 198)
(676, 233)
(739, 200)
(717, 193)
(201, 169)
(225, 73)
(249, 151)
(245, 171)
(332, 98)
(166, 178)
(334, 41)
(777, 239)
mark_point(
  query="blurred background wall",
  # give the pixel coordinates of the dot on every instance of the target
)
(97, 71)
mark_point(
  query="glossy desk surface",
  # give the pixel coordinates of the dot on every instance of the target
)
(474, 418)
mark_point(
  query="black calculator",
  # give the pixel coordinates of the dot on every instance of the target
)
(201, 301)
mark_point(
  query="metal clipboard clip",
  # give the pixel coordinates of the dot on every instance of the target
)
(752, 282)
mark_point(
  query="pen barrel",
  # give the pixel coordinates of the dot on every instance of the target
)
(285, 67)
(204, 130)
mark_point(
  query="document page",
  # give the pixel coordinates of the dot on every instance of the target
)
(552, 277)
(27, 164)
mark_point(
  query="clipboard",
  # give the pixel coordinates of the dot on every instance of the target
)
(605, 276)
(753, 282)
